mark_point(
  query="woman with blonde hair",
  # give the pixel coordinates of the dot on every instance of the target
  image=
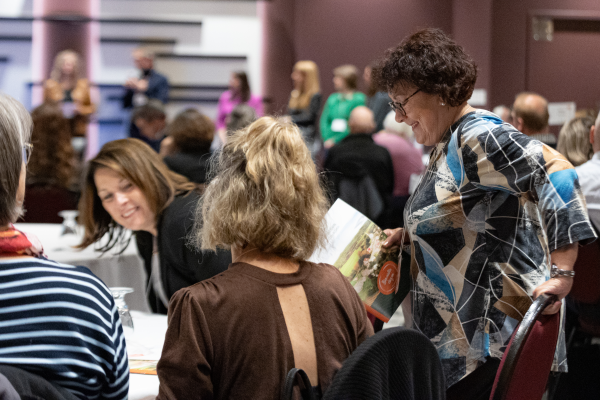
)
(334, 119)
(66, 86)
(127, 187)
(574, 140)
(239, 333)
(305, 102)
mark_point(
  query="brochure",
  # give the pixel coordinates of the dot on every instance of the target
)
(354, 247)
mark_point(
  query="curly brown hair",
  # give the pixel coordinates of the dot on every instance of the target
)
(431, 61)
(53, 161)
(192, 131)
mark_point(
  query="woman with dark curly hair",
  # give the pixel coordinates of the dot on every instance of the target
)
(494, 212)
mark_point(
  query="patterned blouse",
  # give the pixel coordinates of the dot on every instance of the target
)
(490, 209)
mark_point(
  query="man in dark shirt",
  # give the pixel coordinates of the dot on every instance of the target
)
(150, 85)
(357, 156)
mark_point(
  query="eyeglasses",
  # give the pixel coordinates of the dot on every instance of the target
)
(400, 106)
(27, 150)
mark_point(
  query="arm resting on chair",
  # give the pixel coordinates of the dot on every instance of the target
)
(563, 258)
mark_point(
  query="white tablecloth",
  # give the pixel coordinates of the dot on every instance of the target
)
(125, 269)
(146, 343)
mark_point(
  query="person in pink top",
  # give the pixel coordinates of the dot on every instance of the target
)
(406, 159)
(238, 93)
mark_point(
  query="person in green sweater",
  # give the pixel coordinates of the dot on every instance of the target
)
(334, 119)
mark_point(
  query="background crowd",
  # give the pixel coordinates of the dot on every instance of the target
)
(485, 202)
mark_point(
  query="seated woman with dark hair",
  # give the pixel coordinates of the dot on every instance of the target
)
(189, 137)
(238, 334)
(52, 173)
(128, 187)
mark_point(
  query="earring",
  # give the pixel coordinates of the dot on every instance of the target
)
(442, 103)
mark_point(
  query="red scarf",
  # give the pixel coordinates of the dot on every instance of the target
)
(16, 243)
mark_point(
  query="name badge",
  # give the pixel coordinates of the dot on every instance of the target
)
(339, 125)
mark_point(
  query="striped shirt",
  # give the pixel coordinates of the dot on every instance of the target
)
(61, 322)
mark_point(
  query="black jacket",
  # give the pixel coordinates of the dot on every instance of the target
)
(307, 119)
(193, 166)
(158, 88)
(360, 149)
(180, 265)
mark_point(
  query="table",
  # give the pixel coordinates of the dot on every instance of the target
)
(126, 269)
(148, 338)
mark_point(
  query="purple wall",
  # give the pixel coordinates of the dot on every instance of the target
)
(511, 54)
(335, 32)
(494, 32)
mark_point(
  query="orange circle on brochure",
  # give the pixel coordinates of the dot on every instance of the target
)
(386, 281)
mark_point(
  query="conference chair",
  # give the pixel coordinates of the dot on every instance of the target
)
(396, 363)
(525, 367)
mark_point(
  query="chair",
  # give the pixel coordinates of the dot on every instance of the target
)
(396, 363)
(583, 330)
(43, 203)
(34, 387)
(525, 367)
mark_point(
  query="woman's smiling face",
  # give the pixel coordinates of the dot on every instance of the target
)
(424, 113)
(124, 201)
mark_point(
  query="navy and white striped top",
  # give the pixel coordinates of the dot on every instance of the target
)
(61, 322)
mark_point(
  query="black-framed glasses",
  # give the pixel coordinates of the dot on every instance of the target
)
(27, 150)
(400, 106)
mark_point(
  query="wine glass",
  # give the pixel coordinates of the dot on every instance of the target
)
(69, 223)
(118, 294)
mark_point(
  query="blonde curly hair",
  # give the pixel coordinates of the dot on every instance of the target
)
(266, 193)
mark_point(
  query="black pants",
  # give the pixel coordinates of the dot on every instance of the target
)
(477, 385)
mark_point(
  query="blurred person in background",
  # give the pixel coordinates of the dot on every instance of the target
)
(334, 119)
(151, 121)
(53, 171)
(237, 335)
(377, 99)
(305, 103)
(190, 135)
(57, 321)
(574, 140)
(589, 176)
(239, 93)
(149, 85)
(503, 112)
(355, 158)
(530, 116)
(127, 187)
(53, 162)
(241, 116)
(397, 138)
(67, 87)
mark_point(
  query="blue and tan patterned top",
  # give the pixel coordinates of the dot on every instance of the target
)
(483, 221)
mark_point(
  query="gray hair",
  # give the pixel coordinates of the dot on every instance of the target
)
(15, 131)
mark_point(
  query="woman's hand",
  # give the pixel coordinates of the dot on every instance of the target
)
(559, 286)
(563, 258)
(394, 238)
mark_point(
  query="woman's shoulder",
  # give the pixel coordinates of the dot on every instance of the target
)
(212, 292)
(179, 215)
(328, 275)
(480, 124)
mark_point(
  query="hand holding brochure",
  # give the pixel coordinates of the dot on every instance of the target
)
(355, 249)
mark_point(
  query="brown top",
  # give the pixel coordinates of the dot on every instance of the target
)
(227, 337)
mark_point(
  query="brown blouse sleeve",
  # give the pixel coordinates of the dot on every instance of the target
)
(184, 368)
